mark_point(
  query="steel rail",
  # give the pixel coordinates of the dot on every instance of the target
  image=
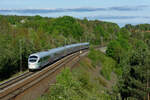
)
(14, 80)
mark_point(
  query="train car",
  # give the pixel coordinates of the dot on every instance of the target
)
(38, 60)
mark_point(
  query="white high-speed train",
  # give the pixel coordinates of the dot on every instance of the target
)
(41, 59)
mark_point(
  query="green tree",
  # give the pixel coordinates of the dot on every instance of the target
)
(135, 76)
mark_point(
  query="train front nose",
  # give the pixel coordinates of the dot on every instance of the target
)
(33, 66)
(32, 62)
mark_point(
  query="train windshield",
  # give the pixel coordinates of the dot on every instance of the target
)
(33, 59)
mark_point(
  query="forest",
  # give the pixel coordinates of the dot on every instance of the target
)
(21, 36)
(128, 46)
(132, 53)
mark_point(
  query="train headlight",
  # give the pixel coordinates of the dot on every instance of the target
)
(80, 51)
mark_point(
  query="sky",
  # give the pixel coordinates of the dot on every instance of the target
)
(118, 11)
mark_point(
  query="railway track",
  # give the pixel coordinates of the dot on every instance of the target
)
(17, 85)
(14, 80)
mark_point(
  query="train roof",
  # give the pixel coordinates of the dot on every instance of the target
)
(51, 51)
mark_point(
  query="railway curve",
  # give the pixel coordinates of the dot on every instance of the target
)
(17, 88)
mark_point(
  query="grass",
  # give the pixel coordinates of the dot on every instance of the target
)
(101, 81)
(107, 64)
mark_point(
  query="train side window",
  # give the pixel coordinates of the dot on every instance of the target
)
(56, 54)
(44, 58)
(40, 60)
(47, 57)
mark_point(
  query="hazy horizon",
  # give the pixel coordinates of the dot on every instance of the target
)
(118, 11)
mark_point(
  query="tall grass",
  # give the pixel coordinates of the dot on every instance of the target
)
(107, 64)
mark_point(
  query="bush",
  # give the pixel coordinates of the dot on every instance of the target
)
(66, 88)
(118, 49)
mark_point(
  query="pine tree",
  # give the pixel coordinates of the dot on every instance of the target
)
(135, 78)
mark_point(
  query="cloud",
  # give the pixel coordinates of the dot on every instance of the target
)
(112, 17)
(129, 8)
(122, 20)
(117, 17)
(41, 11)
(51, 10)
